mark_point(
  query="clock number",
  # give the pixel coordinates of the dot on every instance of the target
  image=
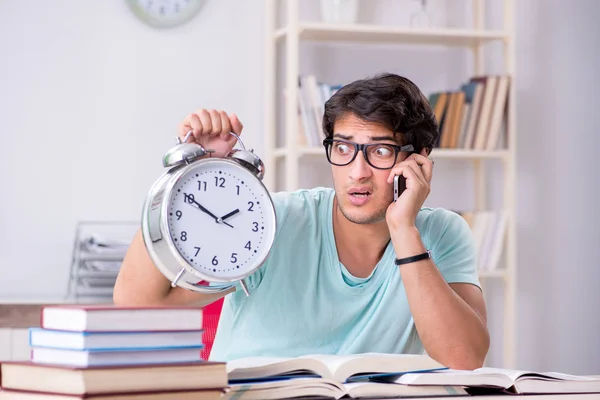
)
(197, 251)
(202, 184)
(215, 261)
(250, 206)
(183, 236)
(255, 229)
(233, 258)
(188, 198)
(179, 214)
(238, 189)
(162, 10)
(219, 182)
(247, 246)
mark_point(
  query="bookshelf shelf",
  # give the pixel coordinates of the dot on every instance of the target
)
(301, 113)
(435, 155)
(357, 33)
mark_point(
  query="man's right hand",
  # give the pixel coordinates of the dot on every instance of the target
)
(140, 282)
(211, 130)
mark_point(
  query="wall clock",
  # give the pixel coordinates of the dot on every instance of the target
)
(165, 13)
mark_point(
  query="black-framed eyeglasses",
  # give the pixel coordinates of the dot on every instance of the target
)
(378, 155)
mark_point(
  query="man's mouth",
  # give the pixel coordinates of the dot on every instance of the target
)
(360, 194)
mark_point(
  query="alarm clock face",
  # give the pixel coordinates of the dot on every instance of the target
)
(221, 219)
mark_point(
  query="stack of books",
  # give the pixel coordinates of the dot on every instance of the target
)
(108, 352)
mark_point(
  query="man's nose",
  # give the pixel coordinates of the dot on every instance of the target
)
(360, 168)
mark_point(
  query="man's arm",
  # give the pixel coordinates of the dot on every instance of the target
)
(450, 318)
(140, 283)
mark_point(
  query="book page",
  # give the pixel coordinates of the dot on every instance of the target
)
(456, 377)
(515, 375)
(265, 367)
(512, 374)
(343, 367)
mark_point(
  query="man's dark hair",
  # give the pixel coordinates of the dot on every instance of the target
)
(388, 99)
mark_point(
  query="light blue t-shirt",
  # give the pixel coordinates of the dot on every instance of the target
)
(304, 301)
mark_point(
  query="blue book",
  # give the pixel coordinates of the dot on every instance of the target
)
(114, 341)
(109, 357)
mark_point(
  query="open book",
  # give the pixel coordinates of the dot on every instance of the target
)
(337, 368)
(510, 381)
(305, 387)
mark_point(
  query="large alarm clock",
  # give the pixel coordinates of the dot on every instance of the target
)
(209, 222)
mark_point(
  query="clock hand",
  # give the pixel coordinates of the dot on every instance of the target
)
(217, 219)
(224, 217)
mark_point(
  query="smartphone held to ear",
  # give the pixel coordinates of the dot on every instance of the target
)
(399, 186)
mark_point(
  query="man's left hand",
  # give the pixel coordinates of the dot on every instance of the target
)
(417, 170)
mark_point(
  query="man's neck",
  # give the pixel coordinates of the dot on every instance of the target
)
(359, 246)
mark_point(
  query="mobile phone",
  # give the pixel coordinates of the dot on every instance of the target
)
(399, 186)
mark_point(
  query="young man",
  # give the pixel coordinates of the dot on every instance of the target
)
(342, 276)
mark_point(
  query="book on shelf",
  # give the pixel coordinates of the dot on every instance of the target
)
(489, 234)
(100, 318)
(312, 96)
(505, 380)
(474, 115)
(67, 380)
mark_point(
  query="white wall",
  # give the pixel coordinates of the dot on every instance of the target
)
(90, 99)
(558, 63)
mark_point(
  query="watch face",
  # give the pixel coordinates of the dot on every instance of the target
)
(221, 219)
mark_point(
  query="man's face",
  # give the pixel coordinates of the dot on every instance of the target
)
(362, 191)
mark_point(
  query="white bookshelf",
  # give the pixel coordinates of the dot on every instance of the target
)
(324, 32)
(295, 31)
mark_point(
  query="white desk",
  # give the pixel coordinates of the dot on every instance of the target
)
(586, 396)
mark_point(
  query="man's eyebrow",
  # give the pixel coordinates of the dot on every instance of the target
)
(345, 137)
(372, 138)
(380, 138)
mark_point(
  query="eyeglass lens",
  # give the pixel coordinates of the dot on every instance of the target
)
(378, 155)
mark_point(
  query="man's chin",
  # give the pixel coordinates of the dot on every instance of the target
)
(362, 215)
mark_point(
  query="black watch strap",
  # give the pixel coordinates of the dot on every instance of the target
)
(418, 257)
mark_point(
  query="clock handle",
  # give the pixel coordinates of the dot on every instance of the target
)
(243, 283)
(187, 136)
(185, 139)
(238, 139)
